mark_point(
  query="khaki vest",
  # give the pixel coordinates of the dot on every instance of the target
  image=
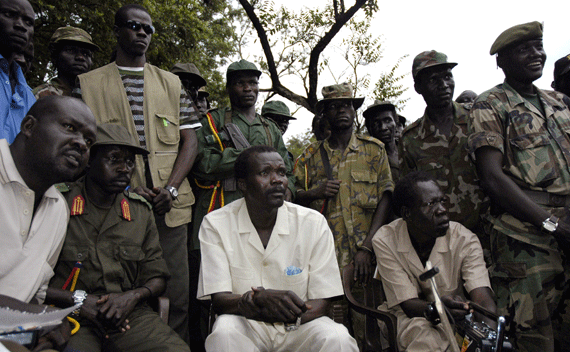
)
(103, 91)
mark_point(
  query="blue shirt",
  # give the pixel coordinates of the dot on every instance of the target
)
(13, 107)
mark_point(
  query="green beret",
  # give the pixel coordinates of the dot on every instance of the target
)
(114, 134)
(276, 107)
(519, 33)
(242, 65)
(190, 70)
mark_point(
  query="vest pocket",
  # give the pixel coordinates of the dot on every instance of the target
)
(167, 129)
(185, 196)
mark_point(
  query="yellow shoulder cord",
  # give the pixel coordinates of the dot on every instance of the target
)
(218, 183)
(73, 276)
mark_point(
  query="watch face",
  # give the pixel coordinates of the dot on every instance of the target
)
(549, 226)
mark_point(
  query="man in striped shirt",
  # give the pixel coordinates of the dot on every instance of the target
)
(152, 104)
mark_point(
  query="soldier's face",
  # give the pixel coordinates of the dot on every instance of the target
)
(523, 62)
(134, 42)
(74, 59)
(429, 215)
(111, 168)
(266, 182)
(436, 85)
(243, 89)
(16, 26)
(383, 126)
(340, 114)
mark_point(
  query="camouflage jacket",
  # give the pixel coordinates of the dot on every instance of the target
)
(54, 87)
(365, 174)
(536, 150)
(423, 148)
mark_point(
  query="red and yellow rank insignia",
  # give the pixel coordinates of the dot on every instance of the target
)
(78, 205)
(126, 210)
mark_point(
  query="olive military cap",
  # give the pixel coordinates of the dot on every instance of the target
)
(72, 34)
(240, 66)
(379, 105)
(276, 108)
(516, 34)
(113, 134)
(341, 91)
(203, 93)
(430, 58)
(188, 69)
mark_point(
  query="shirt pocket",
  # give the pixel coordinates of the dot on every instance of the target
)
(130, 255)
(296, 283)
(534, 159)
(364, 190)
(167, 129)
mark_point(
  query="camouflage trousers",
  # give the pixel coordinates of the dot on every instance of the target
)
(528, 280)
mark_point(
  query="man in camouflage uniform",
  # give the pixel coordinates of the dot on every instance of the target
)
(561, 81)
(521, 144)
(380, 119)
(71, 52)
(436, 143)
(355, 199)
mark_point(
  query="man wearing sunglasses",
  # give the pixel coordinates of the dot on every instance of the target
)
(152, 104)
(71, 52)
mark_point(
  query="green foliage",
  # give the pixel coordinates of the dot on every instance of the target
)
(297, 144)
(186, 31)
(389, 87)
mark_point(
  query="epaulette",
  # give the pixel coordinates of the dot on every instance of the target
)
(467, 106)
(368, 138)
(62, 187)
(309, 151)
(411, 126)
(136, 196)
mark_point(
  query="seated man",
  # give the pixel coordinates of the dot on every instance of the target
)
(402, 249)
(113, 240)
(269, 266)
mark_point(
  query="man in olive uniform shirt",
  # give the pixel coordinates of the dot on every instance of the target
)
(113, 240)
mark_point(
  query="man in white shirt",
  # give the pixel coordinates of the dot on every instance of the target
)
(269, 267)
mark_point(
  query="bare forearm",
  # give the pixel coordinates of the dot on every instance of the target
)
(319, 308)
(59, 298)
(379, 218)
(152, 288)
(226, 303)
(414, 307)
(185, 159)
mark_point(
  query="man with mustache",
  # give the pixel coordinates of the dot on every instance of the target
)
(436, 143)
(71, 52)
(521, 143)
(269, 267)
(16, 32)
(113, 238)
(152, 104)
(402, 249)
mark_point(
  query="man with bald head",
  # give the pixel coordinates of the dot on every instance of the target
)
(52, 147)
(16, 32)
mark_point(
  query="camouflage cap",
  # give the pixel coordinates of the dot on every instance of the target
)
(341, 91)
(72, 34)
(113, 134)
(429, 59)
(276, 108)
(242, 65)
(379, 105)
(188, 69)
(516, 34)
(561, 66)
(203, 93)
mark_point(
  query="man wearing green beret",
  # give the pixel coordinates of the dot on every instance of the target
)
(71, 52)
(521, 144)
(190, 77)
(112, 238)
(436, 142)
(279, 113)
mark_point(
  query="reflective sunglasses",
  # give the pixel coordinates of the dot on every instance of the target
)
(136, 26)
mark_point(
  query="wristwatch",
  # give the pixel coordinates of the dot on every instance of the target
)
(551, 224)
(78, 297)
(173, 191)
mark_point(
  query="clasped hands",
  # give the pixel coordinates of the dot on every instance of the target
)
(110, 311)
(272, 306)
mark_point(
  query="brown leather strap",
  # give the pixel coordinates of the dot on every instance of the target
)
(328, 171)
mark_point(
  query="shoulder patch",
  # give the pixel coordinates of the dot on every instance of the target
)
(369, 139)
(62, 187)
(411, 126)
(309, 151)
(135, 196)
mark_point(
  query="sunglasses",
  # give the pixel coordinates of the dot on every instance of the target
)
(136, 26)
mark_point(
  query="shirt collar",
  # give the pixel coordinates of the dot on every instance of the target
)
(515, 98)
(245, 225)
(427, 127)
(404, 243)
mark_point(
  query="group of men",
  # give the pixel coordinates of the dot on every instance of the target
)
(198, 204)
